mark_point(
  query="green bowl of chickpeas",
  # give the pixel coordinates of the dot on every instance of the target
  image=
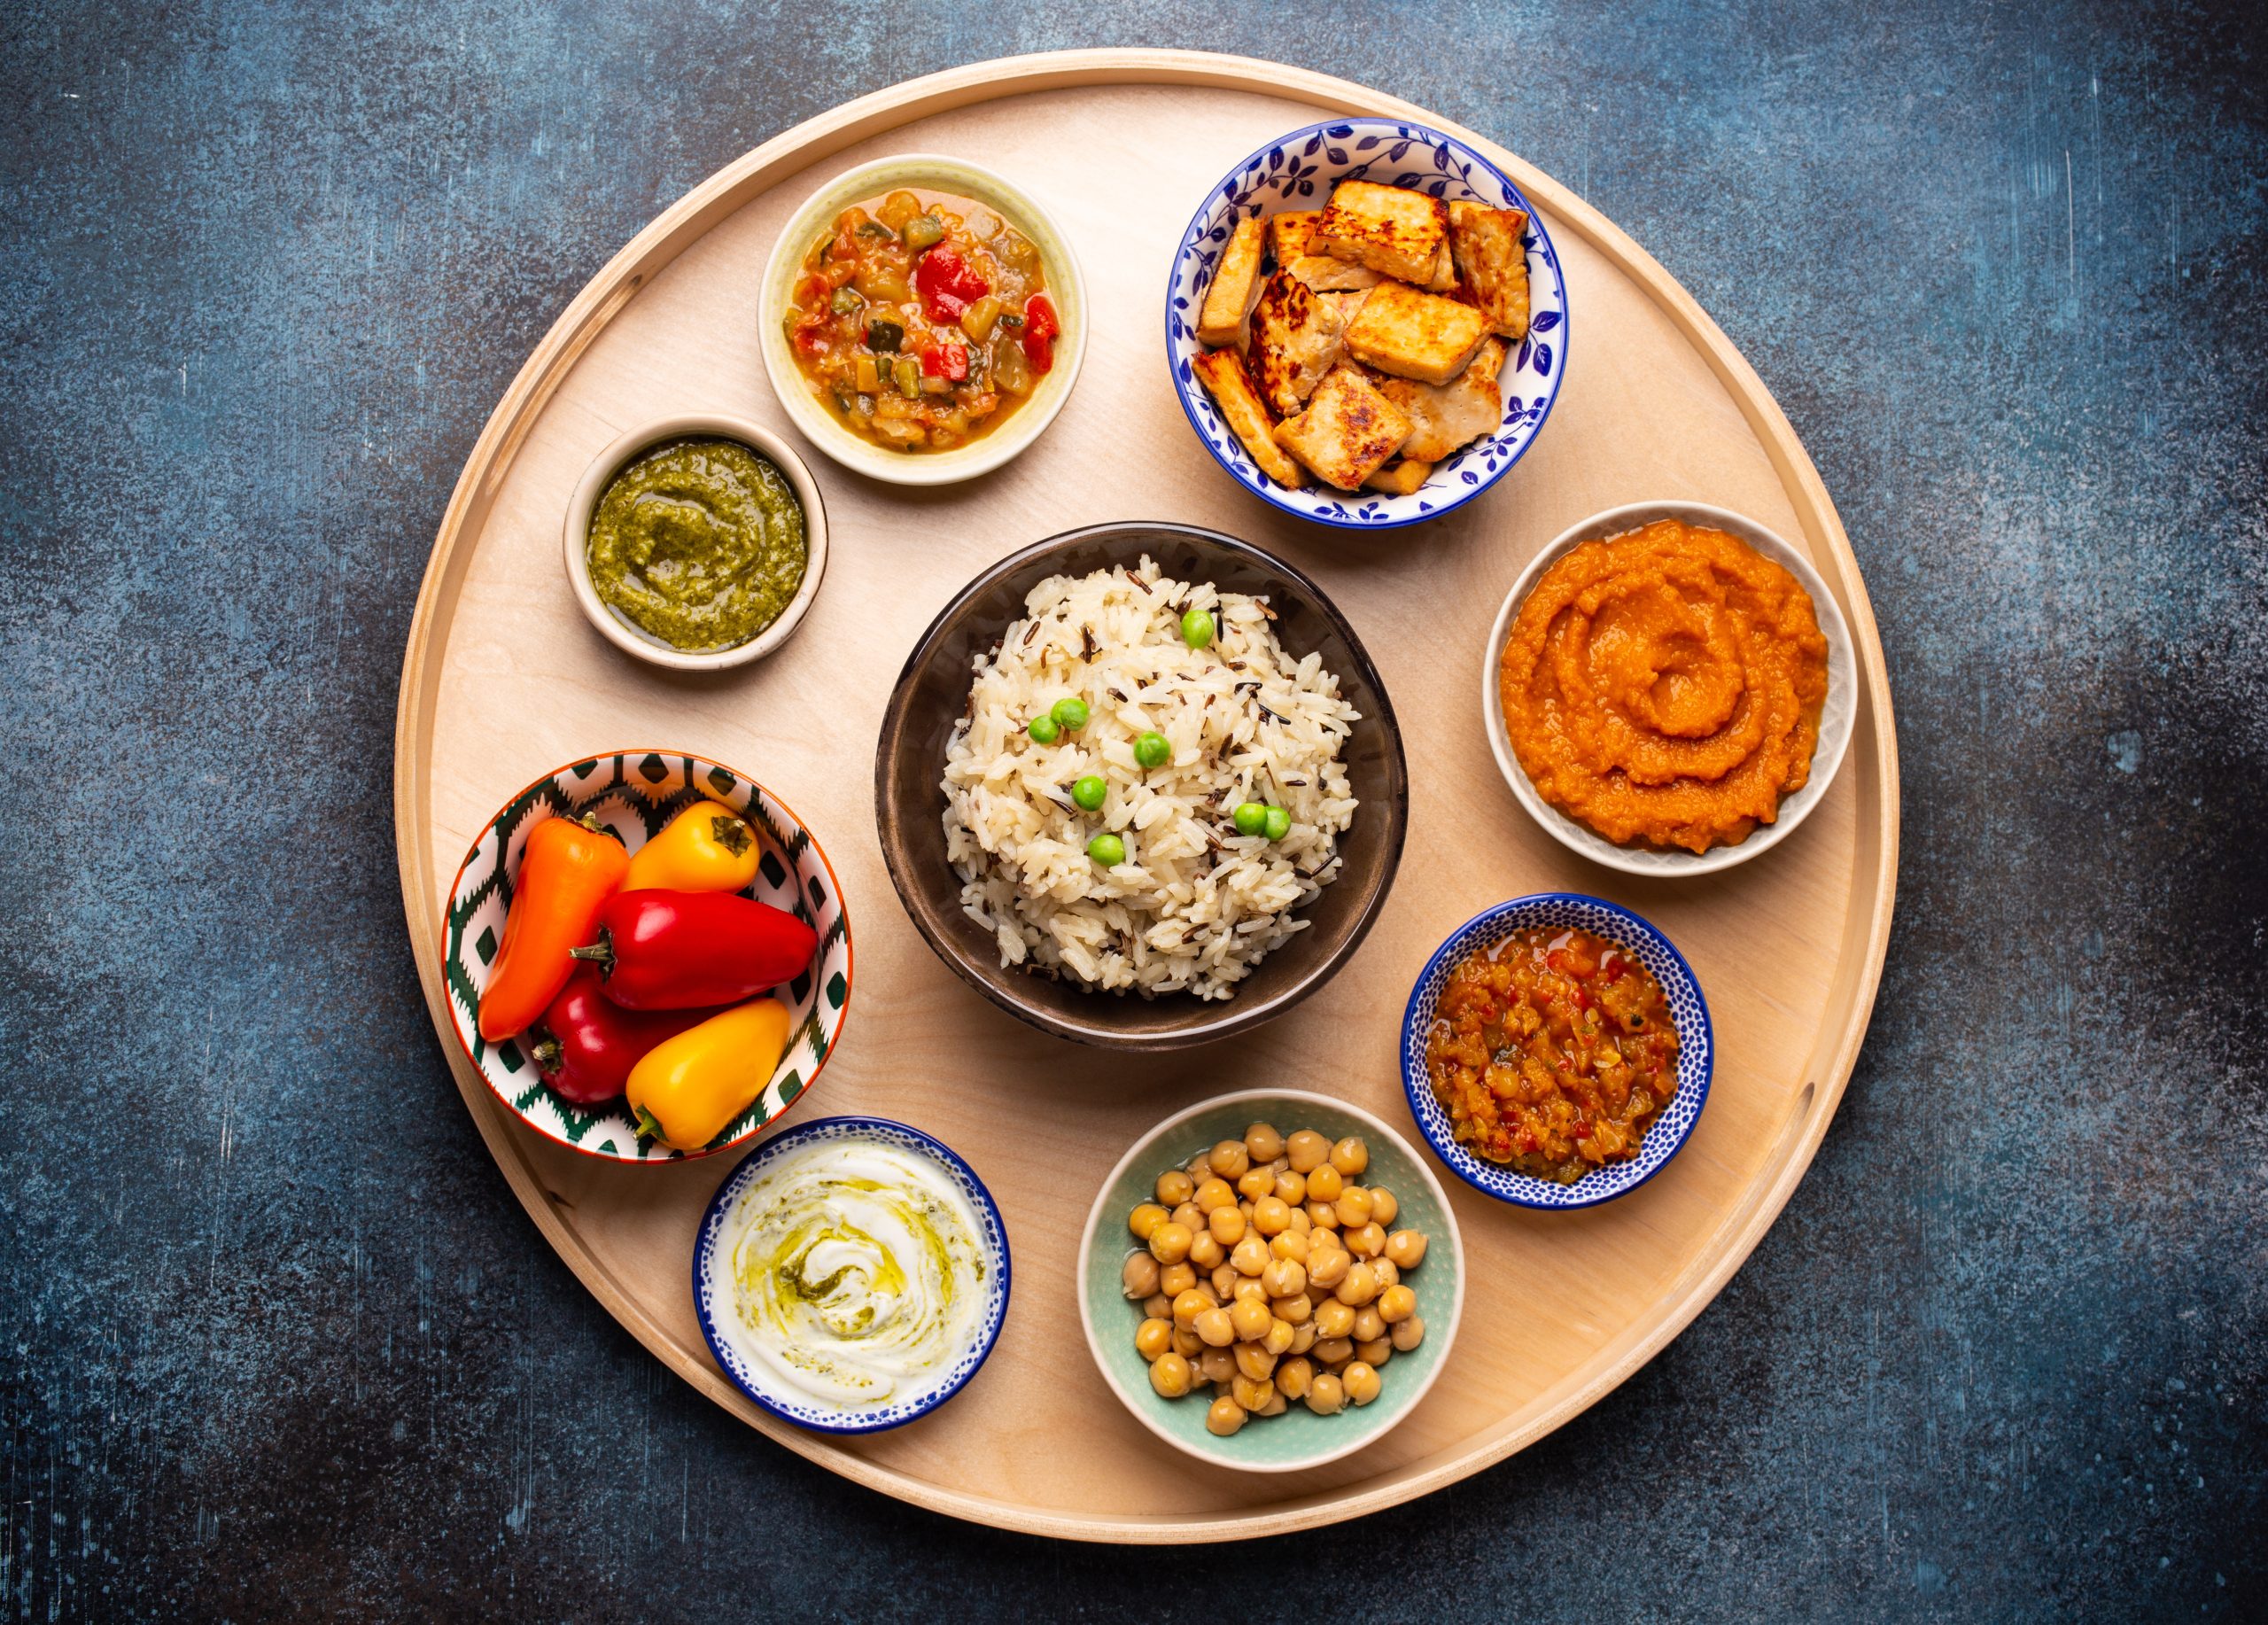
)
(1271, 1280)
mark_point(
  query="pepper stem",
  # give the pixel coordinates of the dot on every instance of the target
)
(600, 953)
(648, 1125)
(544, 1050)
(732, 834)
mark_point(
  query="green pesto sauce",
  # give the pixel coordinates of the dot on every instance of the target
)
(698, 544)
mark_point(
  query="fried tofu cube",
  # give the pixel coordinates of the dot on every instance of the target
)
(1295, 340)
(1413, 334)
(1288, 234)
(1347, 431)
(1222, 372)
(1444, 416)
(1398, 478)
(1491, 257)
(1444, 278)
(1394, 231)
(1326, 275)
(1346, 304)
(1235, 287)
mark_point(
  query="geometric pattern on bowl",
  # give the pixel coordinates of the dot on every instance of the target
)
(1689, 1013)
(1298, 171)
(634, 793)
(991, 1240)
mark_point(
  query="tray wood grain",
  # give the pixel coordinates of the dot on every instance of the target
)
(503, 680)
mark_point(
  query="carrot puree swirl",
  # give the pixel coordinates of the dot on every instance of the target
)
(1664, 687)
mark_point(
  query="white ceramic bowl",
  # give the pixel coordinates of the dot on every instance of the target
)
(1834, 722)
(706, 425)
(1298, 1439)
(1066, 288)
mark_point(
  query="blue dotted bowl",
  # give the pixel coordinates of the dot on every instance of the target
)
(1697, 1048)
(992, 1238)
(1297, 172)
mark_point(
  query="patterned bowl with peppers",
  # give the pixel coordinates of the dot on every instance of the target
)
(635, 793)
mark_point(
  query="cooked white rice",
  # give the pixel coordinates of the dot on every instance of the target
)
(1195, 906)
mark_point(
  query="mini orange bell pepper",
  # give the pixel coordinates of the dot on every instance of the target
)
(708, 847)
(567, 870)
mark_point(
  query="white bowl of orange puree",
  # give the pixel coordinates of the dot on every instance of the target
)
(1715, 704)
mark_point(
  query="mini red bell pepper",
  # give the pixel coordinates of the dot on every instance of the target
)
(585, 1044)
(948, 284)
(680, 950)
(1040, 329)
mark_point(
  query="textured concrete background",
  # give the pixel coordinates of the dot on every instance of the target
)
(274, 1345)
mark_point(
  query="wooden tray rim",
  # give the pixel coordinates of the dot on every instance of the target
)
(1866, 939)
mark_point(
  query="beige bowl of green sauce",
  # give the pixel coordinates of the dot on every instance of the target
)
(696, 542)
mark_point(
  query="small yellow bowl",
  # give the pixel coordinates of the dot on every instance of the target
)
(614, 459)
(1066, 288)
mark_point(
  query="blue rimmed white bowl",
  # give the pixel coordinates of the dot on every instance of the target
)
(805, 1412)
(1696, 1049)
(1297, 172)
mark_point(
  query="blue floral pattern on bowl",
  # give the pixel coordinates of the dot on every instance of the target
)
(1298, 171)
(992, 1237)
(1689, 1011)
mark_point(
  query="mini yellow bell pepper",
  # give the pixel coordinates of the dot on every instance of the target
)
(708, 847)
(687, 1088)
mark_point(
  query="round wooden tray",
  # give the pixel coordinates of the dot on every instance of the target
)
(503, 679)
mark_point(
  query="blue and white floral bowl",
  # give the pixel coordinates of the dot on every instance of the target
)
(992, 1238)
(1298, 171)
(1697, 1048)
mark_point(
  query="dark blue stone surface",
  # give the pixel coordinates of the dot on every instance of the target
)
(271, 1344)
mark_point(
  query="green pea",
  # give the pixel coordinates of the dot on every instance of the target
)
(1070, 712)
(1251, 818)
(1044, 730)
(1153, 751)
(1088, 793)
(1197, 629)
(1278, 824)
(1108, 850)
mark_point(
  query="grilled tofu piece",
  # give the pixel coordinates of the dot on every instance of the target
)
(1444, 416)
(1326, 275)
(1235, 287)
(1346, 304)
(1493, 261)
(1288, 234)
(1398, 478)
(1222, 372)
(1444, 278)
(1347, 431)
(1295, 340)
(1395, 231)
(1413, 334)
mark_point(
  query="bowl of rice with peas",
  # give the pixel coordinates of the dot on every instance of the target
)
(1140, 785)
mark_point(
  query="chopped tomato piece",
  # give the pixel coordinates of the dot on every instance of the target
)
(1040, 330)
(948, 284)
(946, 361)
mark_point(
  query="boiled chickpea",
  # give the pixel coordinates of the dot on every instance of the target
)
(1228, 1227)
(1303, 1338)
(1321, 1215)
(1328, 1266)
(1200, 1168)
(1205, 1252)
(1334, 1318)
(1271, 1216)
(1388, 1276)
(1366, 1242)
(1326, 1396)
(1224, 1416)
(1406, 1248)
(1377, 1352)
(1169, 1375)
(1145, 1219)
(1408, 1334)
(1350, 1157)
(1334, 1351)
(1292, 1244)
(1215, 1326)
(1187, 1306)
(1177, 1279)
(1158, 1307)
(1262, 1143)
(1249, 1256)
(1307, 1149)
(1396, 1304)
(1251, 1318)
(1215, 1194)
(1216, 1364)
(1324, 1185)
(1230, 1159)
(1293, 1376)
(1285, 1277)
(1250, 1393)
(1279, 1336)
(1186, 1343)
(1362, 1382)
(1256, 1183)
(1370, 1326)
(1385, 1207)
(1139, 1278)
(1292, 1188)
(1170, 1242)
(1359, 1287)
(1153, 1338)
(1295, 1308)
(1223, 1282)
(1354, 1207)
(1175, 1187)
(1275, 1406)
(1254, 1360)
(1247, 1286)
(1189, 1214)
